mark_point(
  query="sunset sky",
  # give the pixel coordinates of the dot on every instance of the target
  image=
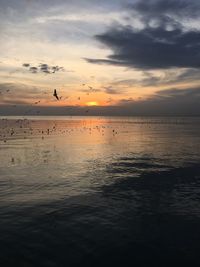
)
(108, 57)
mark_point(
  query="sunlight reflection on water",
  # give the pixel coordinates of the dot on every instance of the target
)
(55, 157)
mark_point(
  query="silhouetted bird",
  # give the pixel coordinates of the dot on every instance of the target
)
(55, 94)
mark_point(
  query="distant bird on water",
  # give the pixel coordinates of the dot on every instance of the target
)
(55, 94)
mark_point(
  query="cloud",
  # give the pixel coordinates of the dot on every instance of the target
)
(33, 69)
(166, 77)
(126, 101)
(170, 96)
(163, 42)
(151, 48)
(169, 102)
(106, 89)
(91, 90)
(111, 91)
(14, 102)
(166, 8)
(181, 93)
(18, 93)
(26, 65)
(43, 68)
(57, 21)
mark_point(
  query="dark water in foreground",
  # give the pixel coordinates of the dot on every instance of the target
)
(100, 192)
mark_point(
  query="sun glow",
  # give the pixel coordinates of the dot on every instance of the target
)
(92, 103)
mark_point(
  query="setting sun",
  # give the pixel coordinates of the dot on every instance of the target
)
(92, 103)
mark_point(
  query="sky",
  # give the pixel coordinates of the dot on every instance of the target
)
(108, 57)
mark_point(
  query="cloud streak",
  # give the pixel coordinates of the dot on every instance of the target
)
(19, 93)
(166, 77)
(169, 102)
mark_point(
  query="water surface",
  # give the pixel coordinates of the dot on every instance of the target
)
(99, 191)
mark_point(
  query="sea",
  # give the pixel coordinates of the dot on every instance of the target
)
(99, 191)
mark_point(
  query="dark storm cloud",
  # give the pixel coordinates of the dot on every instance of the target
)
(162, 43)
(151, 48)
(158, 8)
(43, 68)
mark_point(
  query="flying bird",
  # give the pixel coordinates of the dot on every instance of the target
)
(55, 94)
